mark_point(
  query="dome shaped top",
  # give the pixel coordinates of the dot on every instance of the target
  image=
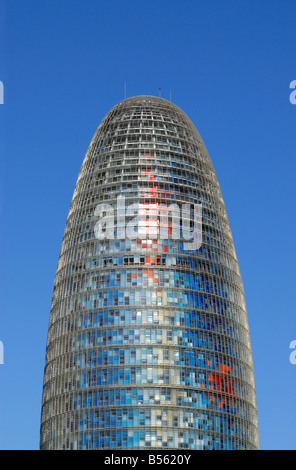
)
(146, 102)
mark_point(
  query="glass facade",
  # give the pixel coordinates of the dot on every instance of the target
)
(148, 342)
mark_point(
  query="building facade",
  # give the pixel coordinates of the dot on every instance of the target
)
(148, 342)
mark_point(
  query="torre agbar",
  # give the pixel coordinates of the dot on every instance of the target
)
(148, 342)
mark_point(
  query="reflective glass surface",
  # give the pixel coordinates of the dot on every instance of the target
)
(148, 341)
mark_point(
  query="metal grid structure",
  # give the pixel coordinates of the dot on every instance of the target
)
(148, 343)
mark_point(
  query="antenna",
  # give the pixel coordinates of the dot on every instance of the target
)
(124, 90)
(159, 91)
(170, 96)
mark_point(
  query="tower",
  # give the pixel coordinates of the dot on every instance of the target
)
(148, 341)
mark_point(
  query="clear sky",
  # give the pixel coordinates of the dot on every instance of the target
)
(228, 65)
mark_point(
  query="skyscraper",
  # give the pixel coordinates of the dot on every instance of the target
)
(148, 342)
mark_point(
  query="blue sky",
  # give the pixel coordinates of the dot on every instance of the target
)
(228, 65)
